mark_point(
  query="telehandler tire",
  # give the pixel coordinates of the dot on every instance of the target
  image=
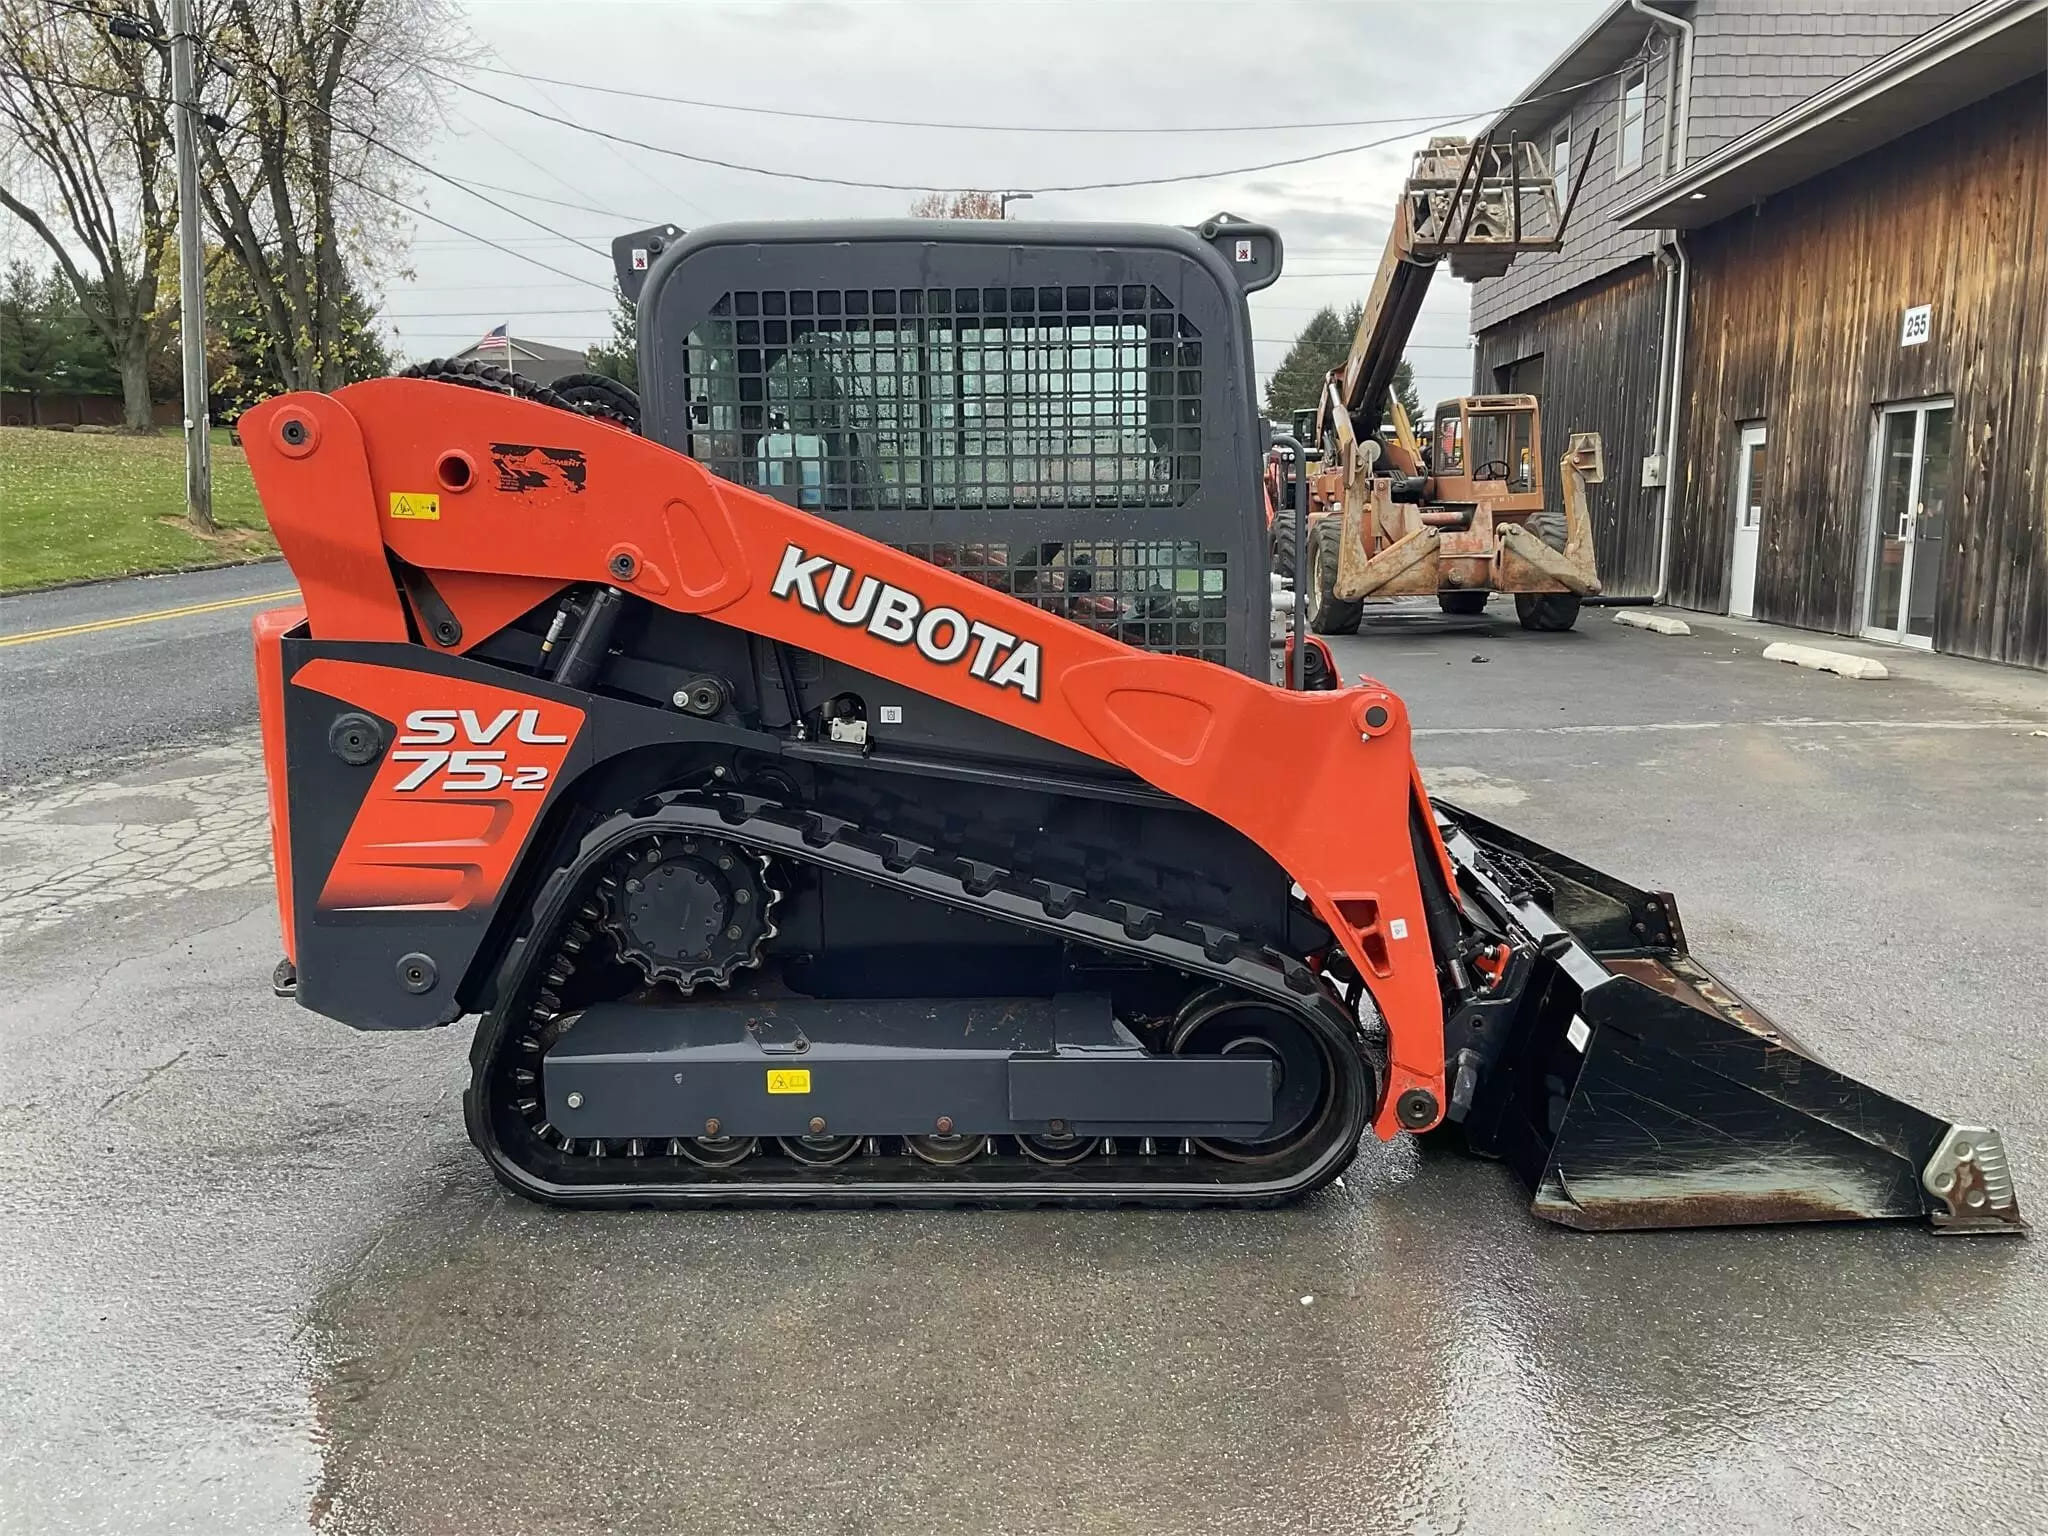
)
(1283, 543)
(1328, 614)
(1547, 612)
(1462, 602)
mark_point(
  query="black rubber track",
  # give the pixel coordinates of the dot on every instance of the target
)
(585, 394)
(532, 1165)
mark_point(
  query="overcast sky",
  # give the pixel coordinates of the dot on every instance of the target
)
(1390, 68)
(1097, 63)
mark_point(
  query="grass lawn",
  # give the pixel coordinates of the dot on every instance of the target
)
(76, 505)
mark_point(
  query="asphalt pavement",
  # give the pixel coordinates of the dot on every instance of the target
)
(93, 674)
(252, 1278)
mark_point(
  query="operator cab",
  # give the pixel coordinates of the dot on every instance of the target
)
(1487, 446)
(1054, 410)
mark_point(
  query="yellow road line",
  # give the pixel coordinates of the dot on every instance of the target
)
(147, 618)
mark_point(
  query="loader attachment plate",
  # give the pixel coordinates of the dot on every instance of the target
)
(1629, 1087)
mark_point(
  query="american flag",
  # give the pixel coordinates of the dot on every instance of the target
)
(495, 336)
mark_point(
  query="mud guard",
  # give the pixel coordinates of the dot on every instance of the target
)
(1629, 1088)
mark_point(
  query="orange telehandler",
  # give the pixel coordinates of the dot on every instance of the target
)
(1466, 514)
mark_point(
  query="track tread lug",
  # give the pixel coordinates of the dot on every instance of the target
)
(1139, 922)
(821, 831)
(1058, 899)
(981, 878)
(902, 853)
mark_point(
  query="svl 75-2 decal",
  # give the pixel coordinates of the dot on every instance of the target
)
(477, 767)
(454, 798)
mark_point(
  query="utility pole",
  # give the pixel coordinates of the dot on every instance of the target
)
(191, 273)
(1004, 199)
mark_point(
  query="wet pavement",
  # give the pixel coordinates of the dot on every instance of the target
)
(252, 1278)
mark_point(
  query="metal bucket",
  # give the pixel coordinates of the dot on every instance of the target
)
(1630, 1088)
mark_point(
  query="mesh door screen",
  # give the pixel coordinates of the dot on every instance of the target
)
(950, 398)
(1157, 595)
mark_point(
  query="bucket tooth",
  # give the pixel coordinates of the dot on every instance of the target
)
(1629, 1087)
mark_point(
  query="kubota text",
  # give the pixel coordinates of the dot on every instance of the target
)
(942, 635)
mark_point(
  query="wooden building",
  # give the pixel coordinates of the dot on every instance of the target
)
(1590, 358)
(1828, 354)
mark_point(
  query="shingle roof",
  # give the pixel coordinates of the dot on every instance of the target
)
(1994, 44)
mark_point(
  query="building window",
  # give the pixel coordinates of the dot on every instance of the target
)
(1523, 376)
(1635, 97)
(1561, 163)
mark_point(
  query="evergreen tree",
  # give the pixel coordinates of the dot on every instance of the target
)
(620, 357)
(48, 343)
(246, 362)
(1322, 345)
(1404, 391)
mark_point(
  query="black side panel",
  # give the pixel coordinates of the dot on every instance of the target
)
(361, 966)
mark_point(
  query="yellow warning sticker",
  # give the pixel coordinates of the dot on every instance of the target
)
(789, 1079)
(422, 506)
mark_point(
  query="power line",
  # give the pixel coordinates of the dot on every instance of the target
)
(613, 151)
(515, 311)
(899, 122)
(470, 287)
(887, 186)
(580, 241)
(518, 153)
(460, 185)
(466, 236)
(503, 311)
(559, 202)
(918, 186)
(421, 213)
(1413, 346)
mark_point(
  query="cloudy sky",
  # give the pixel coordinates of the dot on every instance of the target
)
(1383, 67)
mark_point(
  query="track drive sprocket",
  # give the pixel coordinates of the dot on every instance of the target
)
(690, 911)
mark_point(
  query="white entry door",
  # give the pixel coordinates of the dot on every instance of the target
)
(1908, 522)
(1749, 522)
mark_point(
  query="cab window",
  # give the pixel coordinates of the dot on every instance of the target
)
(1450, 445)
(1503, 447)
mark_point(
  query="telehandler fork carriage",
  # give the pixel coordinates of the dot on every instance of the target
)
(848, 793)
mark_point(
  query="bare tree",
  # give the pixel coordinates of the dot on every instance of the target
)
(958, 205)
(322, 94)
(89, 170)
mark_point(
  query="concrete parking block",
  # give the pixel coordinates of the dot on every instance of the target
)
(1659, 623)
(1816, 659)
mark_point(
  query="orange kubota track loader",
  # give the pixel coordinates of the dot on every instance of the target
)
(857, 787)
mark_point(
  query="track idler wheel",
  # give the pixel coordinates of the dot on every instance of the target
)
(947, 1151)
(1220, 1022)
(1057, 1151)
(818, 1151)
(714, 1151)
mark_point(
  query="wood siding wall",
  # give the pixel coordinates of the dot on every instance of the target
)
(1795, 321)
(1599, 350)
